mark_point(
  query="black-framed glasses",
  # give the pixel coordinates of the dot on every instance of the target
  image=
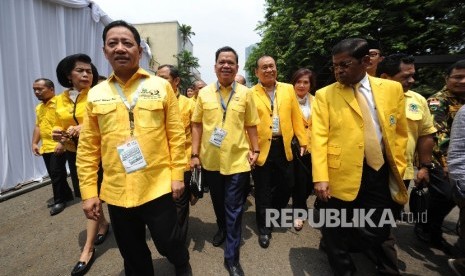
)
(342, 65)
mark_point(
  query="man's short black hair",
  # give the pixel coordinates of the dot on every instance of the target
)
(174, 72)
(226, 49)
(390, 65)
(47, 82)
(121, 23)
(355, 47)
(458, 65)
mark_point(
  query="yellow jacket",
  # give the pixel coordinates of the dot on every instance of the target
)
(186, 107)
(69, 113)
(289, 118)
(45, 120)
(337, 137)
(158, 130)
(308, 123)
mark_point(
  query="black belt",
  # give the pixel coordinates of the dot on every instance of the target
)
(276, 138)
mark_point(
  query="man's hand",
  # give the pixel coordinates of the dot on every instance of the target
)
(422, 179)
(57, 135)
(322, 190)
(178, 188)
(36, 150)
(303, 149)
(59, 149)
(253, 156)
(92, 207)
(195, 163)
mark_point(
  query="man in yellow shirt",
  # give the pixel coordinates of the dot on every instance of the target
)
(197, 85)
(133, 126)
(186, 107)
(280, 120)
(224, 111)
(51, 151)
(401, 68)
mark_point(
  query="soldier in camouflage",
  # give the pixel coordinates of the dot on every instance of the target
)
(443, 106)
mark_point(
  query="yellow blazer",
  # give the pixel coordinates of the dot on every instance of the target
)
(308, 123)
(337, 137)
(289, 118)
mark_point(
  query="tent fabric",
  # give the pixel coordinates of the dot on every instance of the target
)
(35, 35)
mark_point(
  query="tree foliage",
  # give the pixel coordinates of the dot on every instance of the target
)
(186, 62)
(186, 33)
(301, 33)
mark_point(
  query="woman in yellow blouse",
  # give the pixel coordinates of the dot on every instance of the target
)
(78, 74)
(303, 81)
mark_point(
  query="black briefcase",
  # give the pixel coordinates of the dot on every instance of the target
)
(195, 184)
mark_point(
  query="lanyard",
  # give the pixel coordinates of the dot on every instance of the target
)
(225, 106)
(272, 97)
(131, 106)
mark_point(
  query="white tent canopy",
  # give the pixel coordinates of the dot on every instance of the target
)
(35, 35)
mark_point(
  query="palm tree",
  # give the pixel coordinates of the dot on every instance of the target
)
(186, 33)
(186, 62)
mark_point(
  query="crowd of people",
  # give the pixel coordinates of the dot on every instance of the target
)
(132, 141)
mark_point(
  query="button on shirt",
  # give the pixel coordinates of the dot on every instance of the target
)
(231, 157)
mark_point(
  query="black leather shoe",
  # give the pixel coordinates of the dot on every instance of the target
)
(234, 270)
(101, 237)
(264, 240)
(50, 205)
(57, 208)
(81, 268)
(219, 238)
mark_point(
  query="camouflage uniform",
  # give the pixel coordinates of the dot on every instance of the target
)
(443, 106)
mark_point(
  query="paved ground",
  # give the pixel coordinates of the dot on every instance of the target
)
(34, 243)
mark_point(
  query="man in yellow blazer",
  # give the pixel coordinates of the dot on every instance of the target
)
(346, 177)
(280, 120)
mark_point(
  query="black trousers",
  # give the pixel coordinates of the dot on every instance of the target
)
(273, 182)
(340, 241)
(128, 224)
(56, 168)
(182, 207)
(71, 157)
(440, 202)
(303, 185)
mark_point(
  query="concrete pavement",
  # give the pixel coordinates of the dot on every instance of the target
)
(34, 243)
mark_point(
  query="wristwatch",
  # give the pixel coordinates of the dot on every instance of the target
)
(429, 166)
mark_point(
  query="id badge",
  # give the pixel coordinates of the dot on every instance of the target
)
(218, 136)
(131, 156)
(275, 128)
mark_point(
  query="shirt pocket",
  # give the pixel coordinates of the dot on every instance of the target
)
(106, 116)
(210, 110)
(150, 114)
(334, 156)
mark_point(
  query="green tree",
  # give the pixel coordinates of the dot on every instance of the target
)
(300, 33)
(186, 63)
(186, 33)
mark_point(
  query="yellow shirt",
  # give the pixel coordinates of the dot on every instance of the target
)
(420, 123)
(158, 131)
(45, 120)
(241, 112)
(69, 113)
(186, 107)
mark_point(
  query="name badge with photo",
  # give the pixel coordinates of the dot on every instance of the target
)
(218, 136)
(131, 156)
(275, 126)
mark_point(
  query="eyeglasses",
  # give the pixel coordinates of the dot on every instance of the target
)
(342, 65)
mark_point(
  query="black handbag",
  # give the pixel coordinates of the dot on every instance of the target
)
(195, 184)
(418, 203)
